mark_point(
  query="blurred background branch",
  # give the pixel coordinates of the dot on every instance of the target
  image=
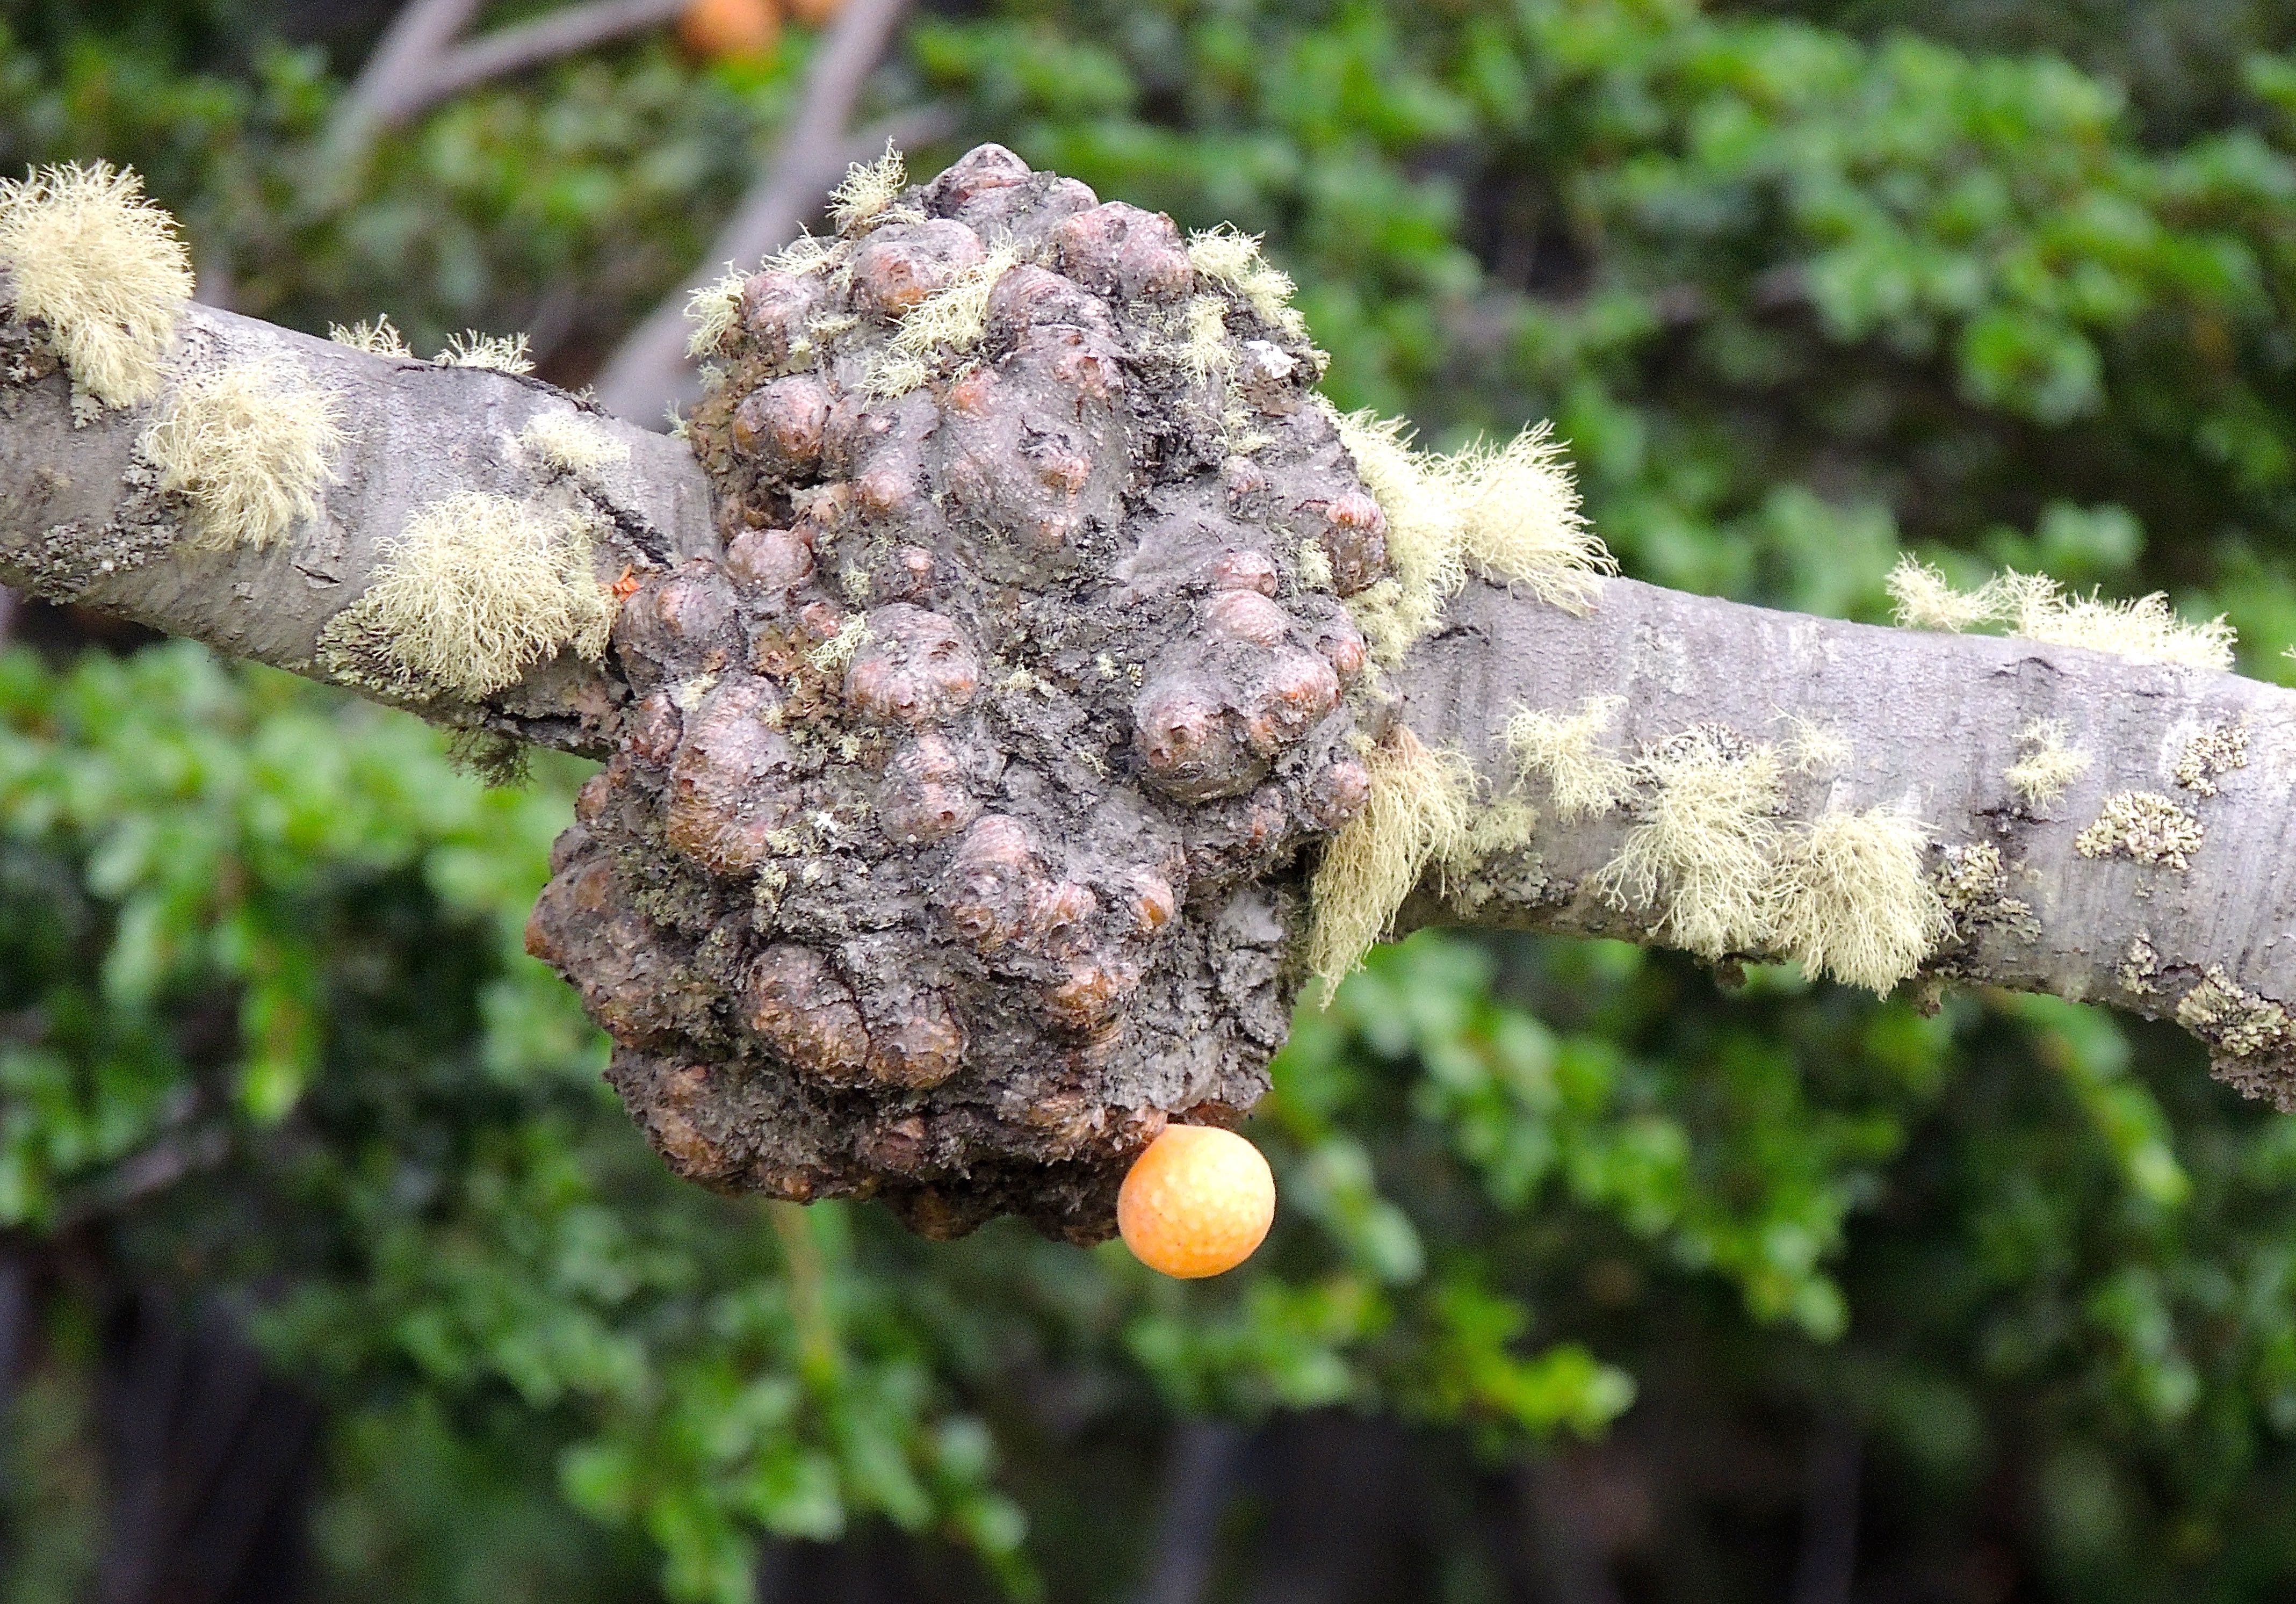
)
(649, 372)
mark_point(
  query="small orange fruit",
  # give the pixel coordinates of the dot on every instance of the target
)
(1196, 1202)
(714, 28)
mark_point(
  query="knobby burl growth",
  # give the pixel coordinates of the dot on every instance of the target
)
(955, 843)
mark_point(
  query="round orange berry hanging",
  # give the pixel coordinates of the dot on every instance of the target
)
(1196, 1202)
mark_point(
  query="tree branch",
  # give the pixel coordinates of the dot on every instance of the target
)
(526, 44)
(84, 520)
(394, 73)
(963, 811)
(1932, 724)
(648, 372)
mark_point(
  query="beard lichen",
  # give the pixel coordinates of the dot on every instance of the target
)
(378, 338)
(941, 330)
(2046, 765)
(101, 267)
(1508, 513)
(1420, 809)
(1853, 901)
(1582, 779)
(567, 442)
(1704, 847)
(867, 191)
(1233, 260)
(474, 592)
(2034, 607)
(247, 448)
(504, 353)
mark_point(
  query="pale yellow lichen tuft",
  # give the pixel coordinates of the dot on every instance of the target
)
(378, 338)
(2046, 765)
(713, 309)
(567, 442)
(1314, 565)
(1582, 779)
(838, 650)
(2216, 750)
(1421, 810)
(475, 590)
(1925, 599)
(1812, 749)
(1502, 825)
(808, 253)
(2142, 825)
(1233, 260)
(1424, 547)
(1852, 900)
(1519, 517)
(1206, 349)
(88, 256)
(868, 189)
(248, 447)
(1704, 845)
(504, 353)
(2034, 607)
(1509, 512)
(946, 326)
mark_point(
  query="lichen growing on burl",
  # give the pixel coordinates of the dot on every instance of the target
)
(957, 839)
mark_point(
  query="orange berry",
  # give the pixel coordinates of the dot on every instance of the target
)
(712, 29)
(1196, 1202)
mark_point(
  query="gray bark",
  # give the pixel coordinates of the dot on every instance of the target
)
(1932, 721)
(83, 521)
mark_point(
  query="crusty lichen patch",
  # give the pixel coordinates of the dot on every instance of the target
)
(2142, 825)
(1852, 899)
(2239, 1023)
(474, 592)
(1420, 809)
(1510, 513)
(1972, 885)
(1705, 842)
(2034, 607)
(102, 267)
(567, 442)
(1583, 778)
(2045, 764)
(2139, 967)
(2216, 750)
(248, 447)
(1970, 878)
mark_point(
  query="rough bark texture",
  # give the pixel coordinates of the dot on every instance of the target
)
(85, 521)
(982, 696)
(955, 842)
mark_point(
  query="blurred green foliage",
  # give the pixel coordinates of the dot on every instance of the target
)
(1799, 289)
